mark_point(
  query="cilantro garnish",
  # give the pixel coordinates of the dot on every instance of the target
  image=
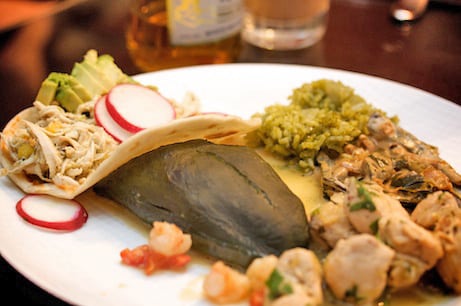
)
(277, 286)
(365, 203)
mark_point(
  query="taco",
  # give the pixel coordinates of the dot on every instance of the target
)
(47, 150)
(56, 147)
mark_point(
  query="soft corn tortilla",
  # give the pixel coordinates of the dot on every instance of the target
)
(217, 128)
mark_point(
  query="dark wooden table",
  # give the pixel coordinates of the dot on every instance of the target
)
(361, 37)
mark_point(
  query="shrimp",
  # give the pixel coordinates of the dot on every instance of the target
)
(166, 249)
(225, 285)
(168, 239)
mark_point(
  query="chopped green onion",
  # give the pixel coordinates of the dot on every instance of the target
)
(374, 226)
(365, 203)
(352, 293)
(277, 286)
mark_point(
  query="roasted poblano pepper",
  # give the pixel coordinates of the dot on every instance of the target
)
(227, 197)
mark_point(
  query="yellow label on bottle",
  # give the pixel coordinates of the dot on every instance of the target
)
(201, 21)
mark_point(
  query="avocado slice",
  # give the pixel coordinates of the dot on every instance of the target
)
(47, 91)
(64, 89)
(105, 68)
(88, 80)
(79, 89)
(112, 71)
(98, 74)
(68, 99)
(93, 76)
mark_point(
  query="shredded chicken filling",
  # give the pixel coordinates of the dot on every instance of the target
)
(61, 148)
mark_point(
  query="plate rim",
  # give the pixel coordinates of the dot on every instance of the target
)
(50, 288)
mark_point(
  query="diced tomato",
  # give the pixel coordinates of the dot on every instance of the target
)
(178, 261)
(145, 258)
(257, 298)
(134, 257)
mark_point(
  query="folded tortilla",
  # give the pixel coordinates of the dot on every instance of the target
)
(217, 128)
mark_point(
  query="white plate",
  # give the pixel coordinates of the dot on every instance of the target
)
(83, 267)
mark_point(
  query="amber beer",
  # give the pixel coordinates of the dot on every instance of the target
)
(173, 33)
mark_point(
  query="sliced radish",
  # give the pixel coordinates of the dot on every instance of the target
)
(104, 119)
(52, 213)
(135, 107)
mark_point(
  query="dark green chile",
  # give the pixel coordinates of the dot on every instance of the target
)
(227, 197)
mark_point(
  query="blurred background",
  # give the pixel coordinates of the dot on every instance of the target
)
(361, 36)
(38, 37)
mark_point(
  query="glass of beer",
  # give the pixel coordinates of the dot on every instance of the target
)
(174, 33)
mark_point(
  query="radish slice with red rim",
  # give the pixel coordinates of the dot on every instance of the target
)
(104, 119)
(135, 107)
(52, 213)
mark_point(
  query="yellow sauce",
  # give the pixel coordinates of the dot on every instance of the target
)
(306, 186)
(417, 297)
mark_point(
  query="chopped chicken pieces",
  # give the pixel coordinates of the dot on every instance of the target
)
(405, 271)
(302, 270)
(449, 267)
(367, 203)
(294, 278)
(372, 211)
(330, 223)
(356, 269)
(260, 270)
(429, 237)
(430, 211)
(406, 237)
(441, 213)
